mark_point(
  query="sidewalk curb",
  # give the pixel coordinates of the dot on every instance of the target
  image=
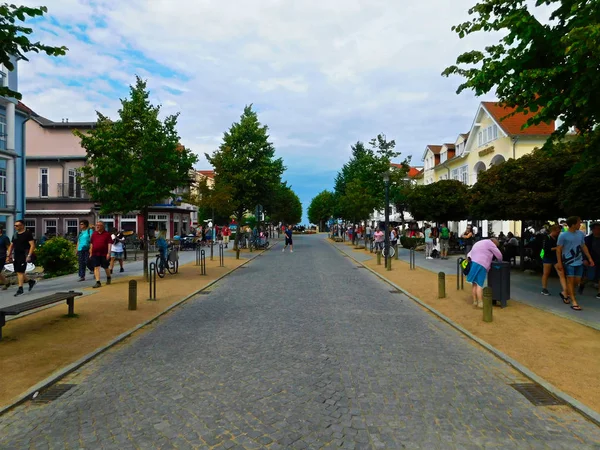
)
(61, 373)
(589, 413)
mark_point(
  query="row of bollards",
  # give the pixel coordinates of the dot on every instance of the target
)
(412, 260)
(202, 262)
(221, 256)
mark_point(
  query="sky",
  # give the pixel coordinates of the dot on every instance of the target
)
(322, 75)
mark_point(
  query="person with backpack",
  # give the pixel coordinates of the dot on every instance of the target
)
(444, 240)
(83, 247)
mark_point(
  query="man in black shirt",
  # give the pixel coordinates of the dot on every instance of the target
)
(23, 246)
(4, 245)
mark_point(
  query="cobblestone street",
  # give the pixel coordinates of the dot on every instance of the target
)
(297, 350)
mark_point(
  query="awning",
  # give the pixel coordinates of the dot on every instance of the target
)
(46, 212)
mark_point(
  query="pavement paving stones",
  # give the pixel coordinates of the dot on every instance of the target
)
(298, 350)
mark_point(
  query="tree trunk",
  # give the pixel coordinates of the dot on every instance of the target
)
(239, 230)
(146, 241)
(522, 246)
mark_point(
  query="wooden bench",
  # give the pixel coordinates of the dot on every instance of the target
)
(38, 303)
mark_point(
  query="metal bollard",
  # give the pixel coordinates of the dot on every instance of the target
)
(397, 251)
(378, 258)
(202, 262)
(197, 255)
(132, 295)
(211, 250)
(237, 253)
(487, 304)
(460, 278)
(411, 259)
(221, 256)
(441, 285)
(389, 263)
(152, 281)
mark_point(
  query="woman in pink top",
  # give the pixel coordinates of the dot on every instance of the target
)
(379, 238)
(481, 256)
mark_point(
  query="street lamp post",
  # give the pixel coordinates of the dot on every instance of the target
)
(386, 179)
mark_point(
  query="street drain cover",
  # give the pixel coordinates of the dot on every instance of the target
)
(53, 392)
(536, 394)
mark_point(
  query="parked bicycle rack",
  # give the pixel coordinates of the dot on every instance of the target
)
(460, 277)
(198, 255)
(202, 262)
(221, 256)
(152, 281)
(412, 259)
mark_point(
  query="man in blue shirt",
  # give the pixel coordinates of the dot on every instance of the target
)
(83, 247)
(569, 251)
(288, 239)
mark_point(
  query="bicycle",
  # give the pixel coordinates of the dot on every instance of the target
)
(171, 263)
(381, 248)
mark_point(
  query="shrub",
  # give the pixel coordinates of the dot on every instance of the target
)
(57, 256)
(408, 242)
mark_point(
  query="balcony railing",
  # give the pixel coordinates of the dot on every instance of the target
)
(64, 190)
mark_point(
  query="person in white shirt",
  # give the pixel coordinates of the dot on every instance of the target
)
(116, 249)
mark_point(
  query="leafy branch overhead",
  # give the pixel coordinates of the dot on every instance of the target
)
(14, 40)
(550, 68)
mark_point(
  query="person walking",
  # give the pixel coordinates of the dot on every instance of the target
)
(23, 246)
(481, 256)
(428, 232)
(117, 249)
(100, 252)
(226, 235)
(83, 247)
(4, 246)
(550, 260)
(288, 239)
(569, 252)
(592, 273)
(444, 241)
(379, 238)
(467, 238)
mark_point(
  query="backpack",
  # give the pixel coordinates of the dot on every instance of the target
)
(465, 265)
(445, 233)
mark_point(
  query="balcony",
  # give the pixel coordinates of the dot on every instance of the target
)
(73, 191)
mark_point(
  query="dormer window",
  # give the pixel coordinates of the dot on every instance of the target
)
(487, 135)
(443, 156)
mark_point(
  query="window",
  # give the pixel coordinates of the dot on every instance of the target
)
(71, 227)
(43, 182)
(2, 184)
(74, 185)
(30, 225)
(443, 157)
(464, 174)
(2, 132)
(109, 221)
(454, 175)
(488, 134)
(50, 227)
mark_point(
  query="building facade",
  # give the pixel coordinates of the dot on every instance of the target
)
(12, 151)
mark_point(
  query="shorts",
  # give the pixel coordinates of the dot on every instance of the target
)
(99, 261)
(226, 239)
(444, 245)
(116, 255)
(288, 241)
(477, 274)
(573, 271)
(550, 260)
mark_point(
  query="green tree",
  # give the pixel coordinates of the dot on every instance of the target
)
(439, 202)
(136, 160)
(550, 69)
(321, 208)
(14, 40)
(284, 206)
(245, 165)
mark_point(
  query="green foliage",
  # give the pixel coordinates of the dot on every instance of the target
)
(410, 242)
(14, 40)
(550, 69)
(439, 202)
(321, 208)
(246, 171)
(137, 160)
(58, 256)
(284, 206)
(527, 188)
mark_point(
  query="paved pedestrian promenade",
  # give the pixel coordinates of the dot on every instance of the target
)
(297, 350)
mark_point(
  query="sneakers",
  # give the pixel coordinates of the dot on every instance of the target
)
(19, 292)
(31, 284)
(291, 251)
(429, 257)
(97, 285)
(108, 280)
(598, 296)
(282, 251)
(81, 279)
(545, 292)
(121, 270)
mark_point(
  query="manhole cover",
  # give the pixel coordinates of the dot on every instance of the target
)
(536, 394)
(53, 392)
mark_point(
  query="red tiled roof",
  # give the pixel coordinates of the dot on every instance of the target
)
(435, 149)
(207, 173)
(512, 125)
(412, 171)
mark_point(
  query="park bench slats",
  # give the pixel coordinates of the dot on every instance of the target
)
(19, 308)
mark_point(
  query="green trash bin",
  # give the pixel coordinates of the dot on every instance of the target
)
(499, 281)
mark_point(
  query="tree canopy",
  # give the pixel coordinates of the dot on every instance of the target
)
(284, 206)
(441, 201)
(246, 170)
(14, 40)
(550, 68)
(321, 208)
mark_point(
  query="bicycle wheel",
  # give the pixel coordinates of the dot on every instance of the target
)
(173, 267)
(160, 273)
